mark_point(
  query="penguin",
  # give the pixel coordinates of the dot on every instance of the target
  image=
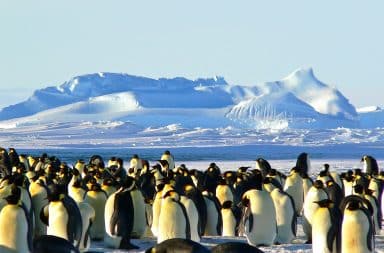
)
(16, 231)
(303, 163)
(169, 158)
(50, 243)
(87, 216)
(370, 166)
(80, 166)
(173, 219)
(178, 245)
(307, 183)
(118, 217)
(335, 193)
(139, 213)
(76, 191)
(286, 217)
(376, 215)
(223, 192)
(108, 186)
(39, 195)
(193, 217)
(326, 227)
(264, 166)
(259, 213)
(231, 216)
(196, 196)
(348, 181)
(214, 219)
(356, 229)
(62, 216)
(97, 198)
(235, 247)
(315, 193)
(294, 187)
(135, 164)
(5, 163)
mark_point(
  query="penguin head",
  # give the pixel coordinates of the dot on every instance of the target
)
(227, 205)
(128, 183)
(171, 194)
(353, 205)
(55, 192)
(318, 184)
(358, 188)
(243, 169)
(14, 197)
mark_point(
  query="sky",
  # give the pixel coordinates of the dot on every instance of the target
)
(45, 43)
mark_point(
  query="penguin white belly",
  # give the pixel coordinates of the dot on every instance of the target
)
(39, 200)
(139, 223)
(285, 213)
(109, 239)
(310, 208)
(156, 207)
(58, 220)
(321, 225)
(13, 230)
(193, 217)
(87, 214)
(172, 223)
(354, 232)
(97, 200)
(212, 218)
(263, 230)
(229, 222)
(294, 187)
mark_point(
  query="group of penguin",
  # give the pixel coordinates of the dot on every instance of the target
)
(48, 206)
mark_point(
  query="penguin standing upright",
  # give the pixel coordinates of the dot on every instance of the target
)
(15, 226)
(167, 156)
(316, 193)
(264, 166)
(260, 218)
(294, 187)
(118, 217)
(39, 195)
(356, 229)
(62, 216)
(370, 166)
(173, 219)
(231, 219)
(326, 227)
(97, 198)
(87, 216)
(285, 216)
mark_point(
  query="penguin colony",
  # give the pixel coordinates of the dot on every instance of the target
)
(47, 206)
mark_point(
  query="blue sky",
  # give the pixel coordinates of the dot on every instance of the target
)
(45, 43)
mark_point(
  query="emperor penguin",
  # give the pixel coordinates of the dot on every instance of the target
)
(231, 219)
(87, 216)
(224, 192)
(356, 229)
(370, 166)
(118, 217)
(136, 164)
(76, 191)
(39, 195)
(307, 183)
(348, 181)
(303, 163)
(139, 213)
(108, 186)
(264, 166)
(214, 220)
(294, 187)
(197, 197)
(16, 231)
(62, 216)
(97, 198)
(260, 218)
(286, 217)
(178, 245)
(316, 193)
(169, 158)
(173, 219)
(326, 228)
(193, 217)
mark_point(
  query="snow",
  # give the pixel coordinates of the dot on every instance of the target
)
(368, 109)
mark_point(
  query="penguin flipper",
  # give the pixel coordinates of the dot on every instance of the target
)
(187, 224)
(44, 215)
(74, 226)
